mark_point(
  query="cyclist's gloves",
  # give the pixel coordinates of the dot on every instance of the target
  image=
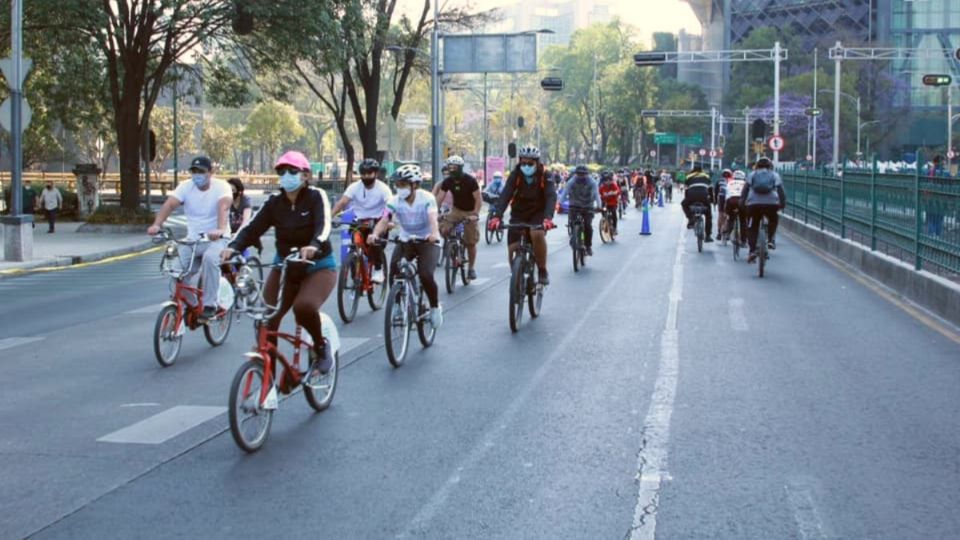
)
(494, 224)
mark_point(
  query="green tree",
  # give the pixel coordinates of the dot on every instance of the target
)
(161, 122)
(270, 126)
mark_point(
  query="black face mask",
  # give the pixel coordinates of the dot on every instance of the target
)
(368, 182)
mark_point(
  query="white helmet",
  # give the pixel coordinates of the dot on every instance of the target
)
(409, 172)
(454, 161)
(739, 175)
(529, 152)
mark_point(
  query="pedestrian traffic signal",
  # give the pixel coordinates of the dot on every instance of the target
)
(552, 84)
(758, 130)
(649, 59)
(937, 80)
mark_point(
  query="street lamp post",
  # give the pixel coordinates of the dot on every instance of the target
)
(435, 94)
(18, 235)
(836, 121)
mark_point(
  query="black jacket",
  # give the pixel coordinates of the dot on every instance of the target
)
(528, 201)
(699, 187)
(304, 223)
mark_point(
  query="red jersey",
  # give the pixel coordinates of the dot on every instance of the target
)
(610, 194)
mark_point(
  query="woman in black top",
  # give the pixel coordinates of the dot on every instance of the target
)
(240, 210)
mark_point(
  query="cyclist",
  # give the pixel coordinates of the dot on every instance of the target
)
(466, 207)
(494, 188)
(720, 189)
(532, 198)
(650, 184)
(206, 203)
(666, 179)
(415, 211)
(762, 195)
(300, 216)
(241, 209)
(623, 182)
(369, 201)
(610, 193)
(698, 190)
(584, 197)
(732, 206)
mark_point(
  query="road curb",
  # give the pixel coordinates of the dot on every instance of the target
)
(933, 293)
(66, 262)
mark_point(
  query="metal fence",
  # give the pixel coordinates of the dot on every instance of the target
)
(915, 218)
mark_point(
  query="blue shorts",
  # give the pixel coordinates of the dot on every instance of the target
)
(326, 263)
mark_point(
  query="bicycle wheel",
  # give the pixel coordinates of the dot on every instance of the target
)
(736, 241)
(379, 293)
(320, 394)
(249, 421)
(575, 248)
(516, 293)
(463, 265)
(450, 269)
(499, 234)
(487, 233)
(699, 232)
(348, 297)
(762, 248)
(606, 233)
(256, 270)
(396, 324)
(166, 342)
(534, 296)
(217, 330)
(425, 329)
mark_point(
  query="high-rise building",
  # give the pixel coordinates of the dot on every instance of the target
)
(564, 17)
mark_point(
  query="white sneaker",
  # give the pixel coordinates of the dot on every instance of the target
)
(436, 316)
(377, 276)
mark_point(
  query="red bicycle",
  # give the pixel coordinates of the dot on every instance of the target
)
(267, 372)
(184, 310)
(354, 279)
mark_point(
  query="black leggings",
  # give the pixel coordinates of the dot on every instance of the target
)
(754, 213)
(305, 293)
(427, 255)
(612, 216)
(587, 224)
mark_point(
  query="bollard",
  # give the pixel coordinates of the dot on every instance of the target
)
(645, 227)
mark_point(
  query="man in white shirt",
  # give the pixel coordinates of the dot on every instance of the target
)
(368, 200)
(206, 203)
(50, 202)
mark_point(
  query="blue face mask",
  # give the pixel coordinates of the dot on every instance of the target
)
(290, 182)
(200, 180)
(528, 170)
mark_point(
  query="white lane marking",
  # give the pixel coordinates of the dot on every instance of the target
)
(149, 404)
(738, 319)
(347, 344)
(501, 265)
(479, 281)
(655, 434)
(433, 505)
(151, 309)
(9, 343)
(164, 426)
(805, 511)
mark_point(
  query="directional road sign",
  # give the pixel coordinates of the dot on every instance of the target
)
(25, 115)
(776, 143)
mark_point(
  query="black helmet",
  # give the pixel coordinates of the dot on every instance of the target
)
(581, 169)
(369, 165)
(606, 175)
(764, 163)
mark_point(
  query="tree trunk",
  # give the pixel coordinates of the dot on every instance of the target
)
(128, 145)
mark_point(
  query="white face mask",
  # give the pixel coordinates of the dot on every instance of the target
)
(403, 193)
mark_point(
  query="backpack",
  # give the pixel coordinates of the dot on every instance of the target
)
(763, 182)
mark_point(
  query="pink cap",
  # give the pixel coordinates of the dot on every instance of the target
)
(293, 159)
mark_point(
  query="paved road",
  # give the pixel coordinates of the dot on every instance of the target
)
(662, 392)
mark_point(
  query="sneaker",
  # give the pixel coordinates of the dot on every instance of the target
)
(471, 274)
(543, 277)
(589, 251)
(209, 313)
(708, 239)
(436, 316)
(321, 360)
(377, 276)
(689, 223)
(752, 258)
(772, 244)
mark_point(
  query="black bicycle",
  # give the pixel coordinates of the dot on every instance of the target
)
(606, 229)
(407, 306)
(576, 229)
(698, 209)
(762, 253)
(455, 257)
(524, 278)
(737, 235)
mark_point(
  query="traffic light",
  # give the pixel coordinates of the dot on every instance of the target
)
(519, 121)
(552, 84)
(512, 150)
(649, 59)
(937, 80)
(759, 129)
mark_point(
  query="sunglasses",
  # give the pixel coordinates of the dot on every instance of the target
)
(528, 162)
(287, 170)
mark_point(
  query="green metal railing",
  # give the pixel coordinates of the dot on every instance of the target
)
(910, 216)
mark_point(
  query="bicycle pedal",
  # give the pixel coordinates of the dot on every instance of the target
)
(271, 402)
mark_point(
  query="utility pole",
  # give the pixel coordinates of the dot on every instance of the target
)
(435, 94)
(776, 98)
(18, 226)
(836, 110)
(814, 153)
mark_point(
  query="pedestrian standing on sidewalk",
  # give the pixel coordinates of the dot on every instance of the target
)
(51, 202)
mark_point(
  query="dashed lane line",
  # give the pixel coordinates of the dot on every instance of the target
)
(164, 426)
(9, 343)
(738, 319)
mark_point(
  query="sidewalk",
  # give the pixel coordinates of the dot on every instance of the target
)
(68, 247)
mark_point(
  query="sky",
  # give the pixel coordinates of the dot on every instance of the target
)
(648, 16)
